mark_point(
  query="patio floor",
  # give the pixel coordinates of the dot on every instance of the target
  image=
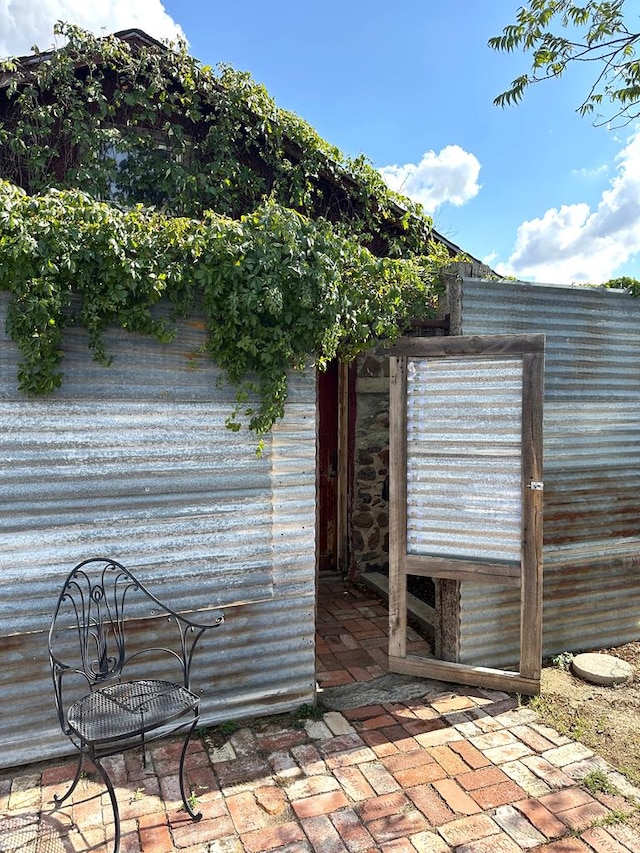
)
(463, 770)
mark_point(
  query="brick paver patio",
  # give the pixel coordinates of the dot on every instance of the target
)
(468, 771)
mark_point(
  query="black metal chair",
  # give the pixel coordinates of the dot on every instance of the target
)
(92, 641)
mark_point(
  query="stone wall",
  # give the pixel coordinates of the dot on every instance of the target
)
(369, 529)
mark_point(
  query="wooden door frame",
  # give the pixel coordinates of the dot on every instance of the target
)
(336, 407)
(345, 441)
(327, 455)
(527, 575)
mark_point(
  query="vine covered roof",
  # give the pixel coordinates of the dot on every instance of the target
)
(133, 173)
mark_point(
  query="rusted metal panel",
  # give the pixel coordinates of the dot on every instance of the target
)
(588, 598)
(592, 471)
(591, 467)
(134, 462)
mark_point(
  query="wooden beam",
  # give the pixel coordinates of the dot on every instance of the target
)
(481, 347)
(398, 507)
(494, 679)
(442, 567)
(532, 509)
(343, 468)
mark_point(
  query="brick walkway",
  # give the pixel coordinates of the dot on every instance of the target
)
(467, 771)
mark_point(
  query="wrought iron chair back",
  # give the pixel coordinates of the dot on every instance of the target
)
(93, 645)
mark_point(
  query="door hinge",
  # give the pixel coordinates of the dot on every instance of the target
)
(536, 485)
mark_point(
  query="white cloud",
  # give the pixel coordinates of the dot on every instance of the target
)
(576, 243)
(450, 176)
(589, 174)
(490, 259)
(24, 23)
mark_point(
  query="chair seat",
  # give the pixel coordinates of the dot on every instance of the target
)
(129, 708)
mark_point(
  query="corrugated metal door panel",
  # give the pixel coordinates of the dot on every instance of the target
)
(591, 465)
(134, 460)
(464, 428)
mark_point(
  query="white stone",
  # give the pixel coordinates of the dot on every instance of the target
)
(518, 828)
(318, 730)
(337, 723)
(243, 742)
(602, 669)
(527, 779)
(222, 753)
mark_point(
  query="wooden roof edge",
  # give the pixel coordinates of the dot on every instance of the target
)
(30, 60)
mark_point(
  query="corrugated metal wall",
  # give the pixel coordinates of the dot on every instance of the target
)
(591, 468)
(134, 462)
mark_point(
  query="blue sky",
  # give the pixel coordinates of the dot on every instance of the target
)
(534, 190)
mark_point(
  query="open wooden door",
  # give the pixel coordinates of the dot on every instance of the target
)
(328, 450)
(466, 486)
(335, 389)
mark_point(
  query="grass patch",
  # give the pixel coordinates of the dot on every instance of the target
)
(598, 782)
(606, 720)
(569, 721)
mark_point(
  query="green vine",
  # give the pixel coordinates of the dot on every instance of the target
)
(132, 174)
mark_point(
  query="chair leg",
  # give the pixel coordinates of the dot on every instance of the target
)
(195, 815)
(58, 800)
(114, 804)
